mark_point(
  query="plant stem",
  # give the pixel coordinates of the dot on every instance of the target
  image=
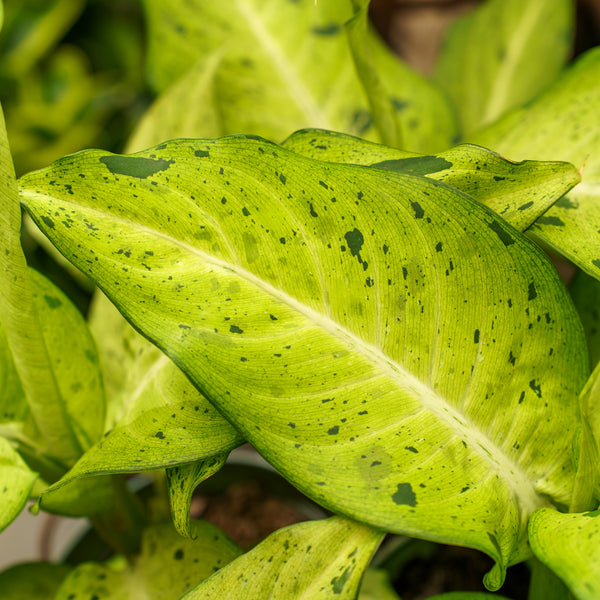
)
(121, 528)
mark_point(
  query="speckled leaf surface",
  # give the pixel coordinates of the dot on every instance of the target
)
(519, 192)
(503, 55)
(535, 132)
(395, 349)
(16, 482)
(32, 580)
(570, 545)
(182, 482)
(315, 560)
(261, 76)
(167, 567)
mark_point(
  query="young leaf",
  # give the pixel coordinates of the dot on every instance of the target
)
(308, 561)
(167, 567)
(569, 545)
(343, 315)
(16, 482)
(535, 133)
(182, 482)
(519, 192)
(502, 55)
(32, 580)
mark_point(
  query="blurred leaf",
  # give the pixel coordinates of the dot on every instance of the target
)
(37, 581)
(376, 585)
(312, 560)
(502, 55)
(468, 596)
(182, 481)
(570, 545)
(286, 289)
(519, 192)
(16, 482)
(535, 132)
(585, 291)
(168, 566)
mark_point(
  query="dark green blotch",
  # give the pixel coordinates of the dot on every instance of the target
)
(404, 495)
(235, 329)
(419, 212)
(160, 435)
(411, 449)
(330, 29)
(531, 292)
(135, 166)
(566, 202)
(355, 241)
(282, 178)
(476, 336)
(52, 302)
(504, 236)
(178, 554)
(399, 104)
(312, 211)
(245, 211)
(525, 206)
(415, 165)
(537, 388)
(334, 430)
(554, 221)
(202, 153)
(338, 583)
(438, 247)
(498, 178)
(48, 222)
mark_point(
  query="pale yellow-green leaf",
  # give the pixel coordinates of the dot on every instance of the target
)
(167, 567)
(570, 545)
(394, 348)
(316, 560)
(562, 124)
(503, 55)
(16, 482)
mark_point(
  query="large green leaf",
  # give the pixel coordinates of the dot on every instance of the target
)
(32, 580)
(395, 349)
(571, 226)
(519, 192)
(167, 567)
(502, 55)
(307, 561)
(16, 482)
(269, 68)
(569, 544)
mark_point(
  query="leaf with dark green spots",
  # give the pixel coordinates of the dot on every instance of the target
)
(32, 580)
(503, 55)
(368, 350)
(569, 544)
(16, 483)
(182, 482)
(315, 560)
(571, 226)
(519, 192)
(167, 567)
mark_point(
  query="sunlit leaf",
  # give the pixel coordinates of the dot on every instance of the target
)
(32, 580)
(570, 545)
(16, 482)
(535, 132)
(312, 560)
(519, 192)
(502, 55)
(342, 315)
(168, 566)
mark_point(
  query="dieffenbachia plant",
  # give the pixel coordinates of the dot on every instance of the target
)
(379, 322)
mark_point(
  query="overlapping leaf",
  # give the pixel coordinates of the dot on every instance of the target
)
(269, 68)
(394, 348)
(519, 192)
(568, 544)
(562, 124)
(585, 291)
(315, 560)
(502, 55)
(32, 580)
(167, 567)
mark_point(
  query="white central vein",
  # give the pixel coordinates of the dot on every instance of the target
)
(510, 472)
(286, 69)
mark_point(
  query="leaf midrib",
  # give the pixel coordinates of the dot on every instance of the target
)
(510, 471)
